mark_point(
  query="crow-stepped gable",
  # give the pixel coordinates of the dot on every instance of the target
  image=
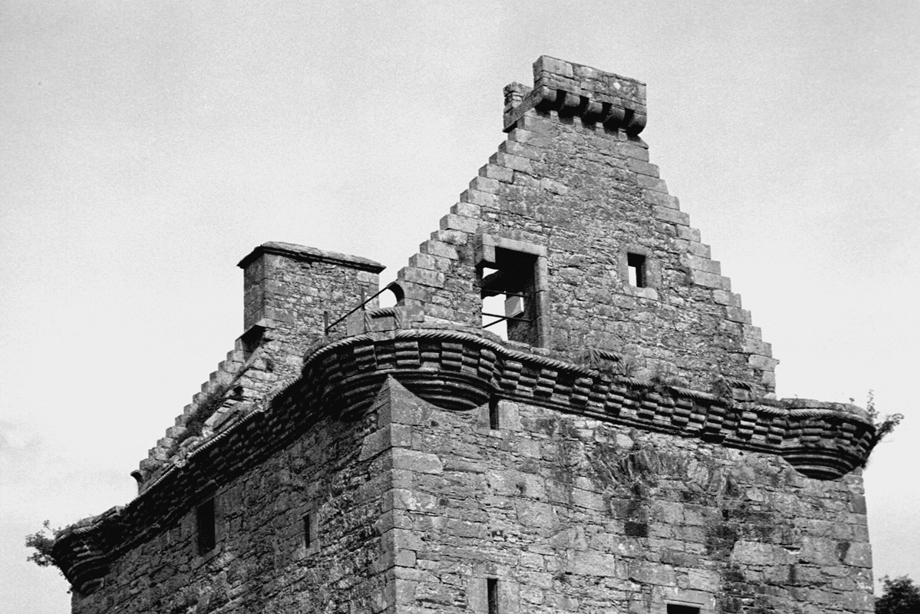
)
(567, 409)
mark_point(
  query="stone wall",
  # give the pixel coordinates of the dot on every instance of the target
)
(414, 508)
(573, 515)
(574, 179)
(261, 562)
(290, 292)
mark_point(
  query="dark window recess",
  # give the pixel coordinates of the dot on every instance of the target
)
(637, 272)
(494, 416)
(682, 609)
(509, 306)
(636, 529)
(308, 530)
(251, 340)
(492, 594)
(204, 516)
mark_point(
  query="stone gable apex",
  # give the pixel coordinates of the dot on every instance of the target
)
(573, 179)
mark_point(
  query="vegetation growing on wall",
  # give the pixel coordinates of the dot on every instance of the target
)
(884, 425)
(899, 596)
(41, 541)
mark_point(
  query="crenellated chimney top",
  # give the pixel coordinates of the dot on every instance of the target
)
(577, 90)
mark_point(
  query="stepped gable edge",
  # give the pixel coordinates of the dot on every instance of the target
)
(572, 191)
(255, 368)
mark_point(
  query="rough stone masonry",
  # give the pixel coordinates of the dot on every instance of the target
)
(566, 410)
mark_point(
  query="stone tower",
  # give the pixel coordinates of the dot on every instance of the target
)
(566, 410)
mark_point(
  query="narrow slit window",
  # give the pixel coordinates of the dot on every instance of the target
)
(308, 530)
(637, 273)
(492, 595)
(204, 517)
(674, 608)
(494, 415)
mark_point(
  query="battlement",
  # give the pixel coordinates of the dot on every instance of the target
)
(572, 90)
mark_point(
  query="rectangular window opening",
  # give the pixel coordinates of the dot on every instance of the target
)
(508, 290)
(204, 518)
(494, 415)
(492, 594)
(637, 273)
(674, 608)
(493, 305)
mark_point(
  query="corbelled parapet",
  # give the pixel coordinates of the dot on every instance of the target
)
(459, 371)
(571, 89)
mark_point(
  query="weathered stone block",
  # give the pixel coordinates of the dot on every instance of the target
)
(424, 277)
(662, 200)
(523, 150)
(724, 297)
(466, 210)
(483, 199)
(452, 237)
(537, 124)
(413, 460)
(511, 162)
(642, 167)
(596, 564)
(547, 64)
(499, 173)
(652, 183)
(457, 222)
(439, 248)
(673, 216)
(710, 280)
(485, 184)
(691, 234)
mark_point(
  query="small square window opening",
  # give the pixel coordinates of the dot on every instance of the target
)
(494, 414)
(637, 273)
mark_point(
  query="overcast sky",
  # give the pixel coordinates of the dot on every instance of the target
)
(145, 147)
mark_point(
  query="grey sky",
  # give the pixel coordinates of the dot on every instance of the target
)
(146, 147)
